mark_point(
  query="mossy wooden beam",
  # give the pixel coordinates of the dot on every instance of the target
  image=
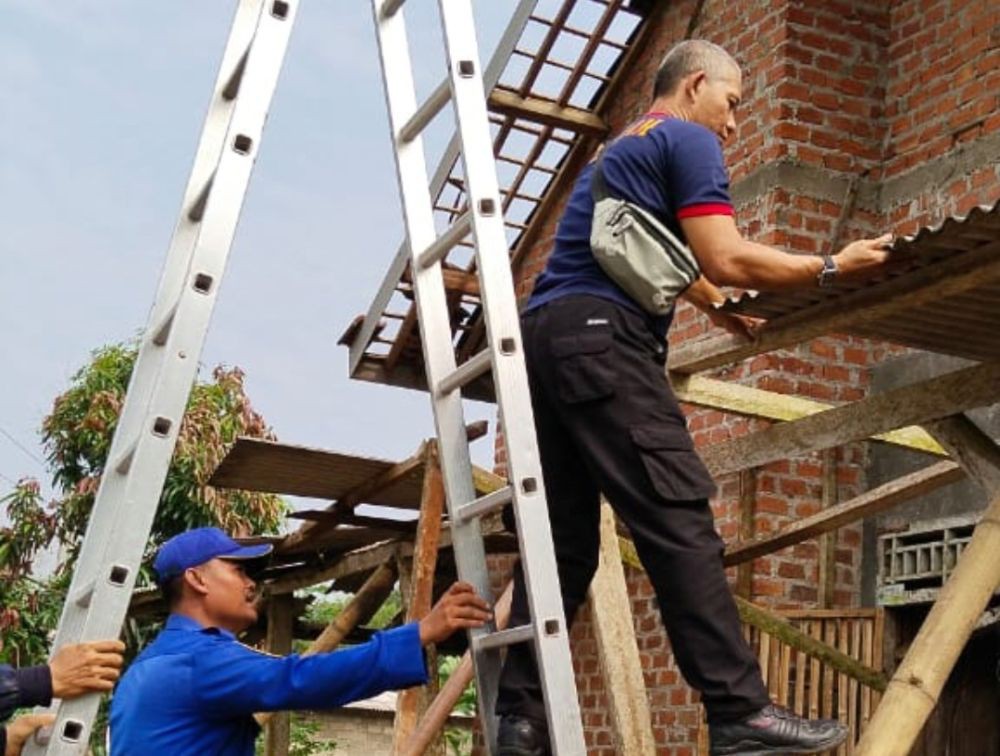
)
(786, 632)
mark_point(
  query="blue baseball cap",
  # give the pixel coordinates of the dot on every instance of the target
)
(198, 546)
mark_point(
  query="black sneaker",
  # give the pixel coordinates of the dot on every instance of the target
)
(519, 736)
(775, 729)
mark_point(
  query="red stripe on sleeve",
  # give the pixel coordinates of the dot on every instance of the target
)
(706, 208)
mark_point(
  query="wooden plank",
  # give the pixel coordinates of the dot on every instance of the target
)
(299, 540)
(755, 402)
(867, 654)
(781, 630)
(852, 686)
(815, 670)
(784, 674)
(547, 113)
(968, 445)
(748, 513)
(280, 618)
(618, 653)
(918, 403)
(829, 672)
(412, 702)
(952, 275)
(764, 658)
(437, 713)
(800, 683)
(828, 541)
(871, 502)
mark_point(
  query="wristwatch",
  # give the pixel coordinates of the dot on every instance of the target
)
(828, 273)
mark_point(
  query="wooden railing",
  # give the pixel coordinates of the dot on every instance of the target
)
(814, 688)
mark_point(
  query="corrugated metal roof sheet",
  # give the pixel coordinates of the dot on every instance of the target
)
(959, 256)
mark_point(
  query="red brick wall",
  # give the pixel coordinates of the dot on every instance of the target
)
(841, 98)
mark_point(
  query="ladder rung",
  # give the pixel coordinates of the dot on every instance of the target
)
(446, 242)
(162, 332)
(426, 112)
(197, 211)
(466, 373)
(232, 87)
(389, 8)
(485, 504)
(125, 460)
(503, 638)
(82, 598)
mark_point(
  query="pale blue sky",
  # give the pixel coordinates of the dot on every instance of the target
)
(101, 111)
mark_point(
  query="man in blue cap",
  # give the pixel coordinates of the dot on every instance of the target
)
(195, 689)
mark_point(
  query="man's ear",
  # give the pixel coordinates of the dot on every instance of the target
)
(195, 581)
(693, 83)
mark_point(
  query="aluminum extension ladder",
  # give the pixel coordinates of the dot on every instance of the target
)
(503, 355)
(171, 346)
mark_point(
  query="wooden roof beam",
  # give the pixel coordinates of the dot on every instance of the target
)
(547, 113)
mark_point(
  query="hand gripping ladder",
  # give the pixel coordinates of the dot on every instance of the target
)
(171, 345)
(503, 355)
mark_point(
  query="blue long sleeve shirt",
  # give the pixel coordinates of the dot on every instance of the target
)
(194, 689)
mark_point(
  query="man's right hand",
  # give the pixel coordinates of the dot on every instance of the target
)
(460, 607)
(862, 257)
(22, 728)
(86, 668)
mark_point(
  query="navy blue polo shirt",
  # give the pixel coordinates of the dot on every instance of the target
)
(194, 690)
(670, 167)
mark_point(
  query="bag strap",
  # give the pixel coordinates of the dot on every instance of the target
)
(598, 184)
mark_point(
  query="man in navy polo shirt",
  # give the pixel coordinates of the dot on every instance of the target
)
(194, 690)
(608, 422)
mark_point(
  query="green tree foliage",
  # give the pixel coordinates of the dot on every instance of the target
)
(77, 436)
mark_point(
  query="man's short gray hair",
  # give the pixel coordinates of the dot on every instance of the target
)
(686, 58)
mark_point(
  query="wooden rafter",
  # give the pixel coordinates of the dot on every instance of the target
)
(918, 403)
(547, 112)
(755, 402)
(871, 502)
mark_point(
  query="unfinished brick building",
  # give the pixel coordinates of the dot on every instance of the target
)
(859, 117)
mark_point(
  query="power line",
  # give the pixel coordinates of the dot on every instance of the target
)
(22, 447)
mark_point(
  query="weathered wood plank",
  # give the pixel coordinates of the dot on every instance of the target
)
(547, 113)
(412, 702)
(617, 651)
(755, 402)
(918, 403)
(871, 502)
(299, 540)
(280, 618)
(828, 541)
(951, 276)
(440, 708)
(968, 445)
(748, 512)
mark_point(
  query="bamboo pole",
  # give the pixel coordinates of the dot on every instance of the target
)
(440, 709)
(914, 690)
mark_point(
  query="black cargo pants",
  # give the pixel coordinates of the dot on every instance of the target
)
(608, 422)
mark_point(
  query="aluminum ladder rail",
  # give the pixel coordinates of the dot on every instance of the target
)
(503, 356)
(170, 348)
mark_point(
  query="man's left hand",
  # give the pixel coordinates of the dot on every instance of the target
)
(459, 608)
(738, 325)
(22, 728)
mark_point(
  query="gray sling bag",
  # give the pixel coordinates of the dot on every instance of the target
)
(637, 251)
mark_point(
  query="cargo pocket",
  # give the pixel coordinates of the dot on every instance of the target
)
(584, 365)
(675, 469)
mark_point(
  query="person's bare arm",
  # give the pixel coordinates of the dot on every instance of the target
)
(727, 259)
